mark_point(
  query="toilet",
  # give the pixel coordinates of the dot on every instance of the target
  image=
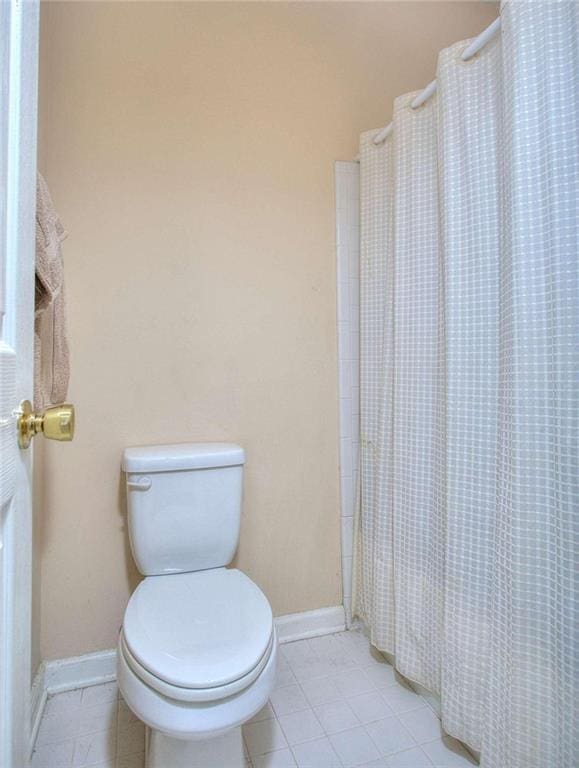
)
(197, 650)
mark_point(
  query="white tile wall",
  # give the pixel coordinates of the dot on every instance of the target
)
(348, 258)
(338, 704)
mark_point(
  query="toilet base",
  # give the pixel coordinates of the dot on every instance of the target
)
(163, 751)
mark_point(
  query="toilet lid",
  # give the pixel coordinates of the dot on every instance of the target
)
(198, 630)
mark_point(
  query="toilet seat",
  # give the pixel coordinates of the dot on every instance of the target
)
(178, 693)
(197, 636)
(194, 720)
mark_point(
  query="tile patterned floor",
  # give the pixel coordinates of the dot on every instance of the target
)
(337, 704)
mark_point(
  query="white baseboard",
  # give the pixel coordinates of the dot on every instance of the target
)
(38, 696)
(80, 671)
(67, 675)
(97, 668)
(299, 626)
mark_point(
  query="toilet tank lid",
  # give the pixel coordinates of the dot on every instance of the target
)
(165, 458)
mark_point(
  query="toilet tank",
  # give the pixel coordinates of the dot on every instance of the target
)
(184, 505)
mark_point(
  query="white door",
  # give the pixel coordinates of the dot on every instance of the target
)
(18, 87)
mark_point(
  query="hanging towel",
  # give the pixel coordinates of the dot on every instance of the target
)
(51, 357)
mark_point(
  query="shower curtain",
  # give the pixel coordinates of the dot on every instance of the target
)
(468, 527)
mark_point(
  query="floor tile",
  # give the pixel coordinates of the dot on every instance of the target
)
(104, 764)
(99, 717)
(262, 737)
(58, 755)
(390, 736)
(310, 658)
(423, 724)
(125, 715)
(448, 753)
(344, 662)
(288, 699)
(336, 685)
(354, 747)
(353, 682)
(369, 707)
(336, 716)
(282, 758)
(354, 640)
(136, 760)
(380, 673)
(323, 646)
(410, 758)
(284, 674)
(342, 648)
(297, 653)
(301, 726)
(401, 698)
(131, 739)
(99, 694)
(63, 702)
(59, 726)
(316, 754)
(265, 713)
(321, 690)
(365, 654)
(342, 653)
(331, 647)
(312, 667)
(95, 748)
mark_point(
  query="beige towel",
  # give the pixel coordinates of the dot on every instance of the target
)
(51, 359)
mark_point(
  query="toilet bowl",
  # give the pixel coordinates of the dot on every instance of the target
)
(197, 650)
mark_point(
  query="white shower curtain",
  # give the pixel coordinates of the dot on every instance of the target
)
(468, 528)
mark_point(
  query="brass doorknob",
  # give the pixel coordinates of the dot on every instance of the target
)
(56, 423)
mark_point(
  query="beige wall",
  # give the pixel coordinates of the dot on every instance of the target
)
(189, 148)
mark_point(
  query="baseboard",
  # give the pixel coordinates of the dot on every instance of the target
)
(67, 675)
(300, 626)
(38, 696)
(96, 668)
(80, 671)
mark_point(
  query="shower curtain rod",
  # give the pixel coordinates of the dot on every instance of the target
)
(469, 52)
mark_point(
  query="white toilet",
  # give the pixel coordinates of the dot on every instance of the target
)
(197, 650)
